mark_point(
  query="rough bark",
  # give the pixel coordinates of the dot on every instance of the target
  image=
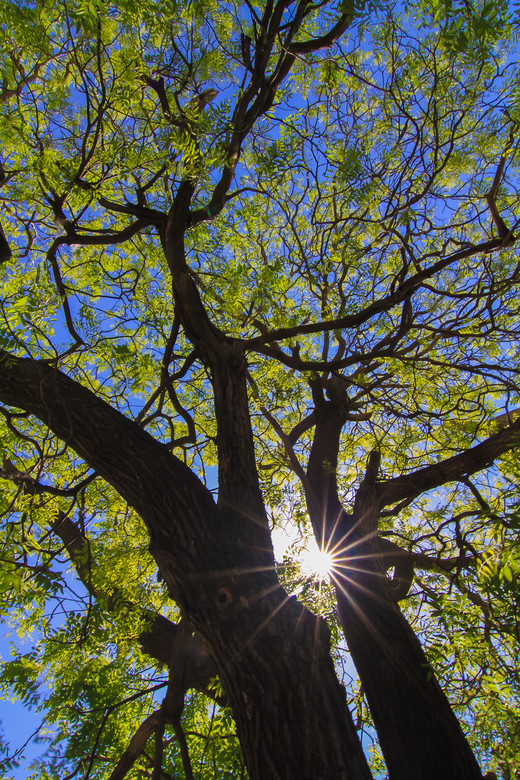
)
(272, 656)
(276, 667)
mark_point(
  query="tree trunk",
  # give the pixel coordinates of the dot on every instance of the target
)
(271, 654)
(418, 732)
(274, 662)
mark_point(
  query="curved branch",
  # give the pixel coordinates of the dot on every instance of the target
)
(405, 562)
(104, 239)
(62, 292)
(325, 41)
(33, 487)
(136, 746)
(506, 235)
(152, 216)
(404, 291)
(141, 469)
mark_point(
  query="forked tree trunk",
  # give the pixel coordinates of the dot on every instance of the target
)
(272, 656)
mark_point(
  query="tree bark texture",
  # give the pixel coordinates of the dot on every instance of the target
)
(272, 655)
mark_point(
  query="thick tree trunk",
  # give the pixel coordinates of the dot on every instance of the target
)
(418, 732)
(272, 656)
(274, 661)
(409, 701)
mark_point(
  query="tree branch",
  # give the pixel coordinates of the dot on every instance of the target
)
(161, 639)
(164, 491)
(324, 41)
(259, 95)
(404, 291)
(33, 487)
(409, 486)
(152, 216)
(330, 416)
(5, 249)
(506, 235)
(136, 746)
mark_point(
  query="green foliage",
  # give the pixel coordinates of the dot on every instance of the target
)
(371, 165)
(470, 28)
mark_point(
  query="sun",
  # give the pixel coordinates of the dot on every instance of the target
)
(317, 563)
(313, 562)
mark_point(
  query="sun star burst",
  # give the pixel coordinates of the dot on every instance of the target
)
(317, 563)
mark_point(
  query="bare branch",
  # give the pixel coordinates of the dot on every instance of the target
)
(324, 41)
(33, 487)
(152, 216)
(508, 239)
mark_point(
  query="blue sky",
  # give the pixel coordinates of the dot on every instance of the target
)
(18, 724)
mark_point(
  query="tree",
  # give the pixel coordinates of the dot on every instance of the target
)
(267, 254)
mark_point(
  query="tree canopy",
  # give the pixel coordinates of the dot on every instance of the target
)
(259, 277)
